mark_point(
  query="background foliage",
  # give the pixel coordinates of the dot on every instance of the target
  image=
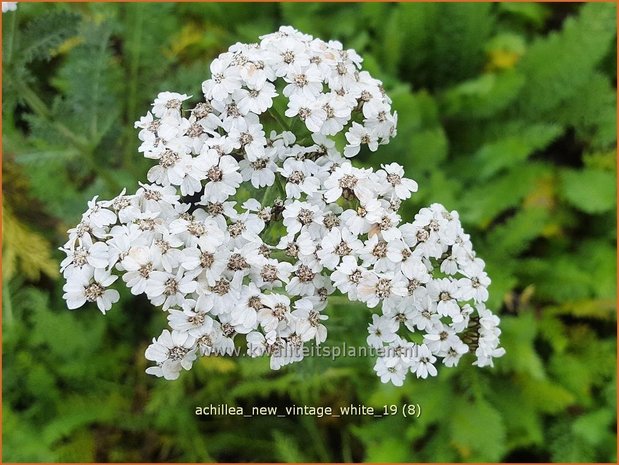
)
(506, 113)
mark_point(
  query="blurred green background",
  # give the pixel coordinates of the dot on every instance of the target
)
(506, 113)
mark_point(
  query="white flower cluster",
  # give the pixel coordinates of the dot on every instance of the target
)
(252, 219)
(9, 6)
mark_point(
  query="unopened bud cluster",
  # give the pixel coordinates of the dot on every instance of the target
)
(254, 215)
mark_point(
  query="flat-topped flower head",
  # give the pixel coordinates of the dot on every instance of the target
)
(254, 215)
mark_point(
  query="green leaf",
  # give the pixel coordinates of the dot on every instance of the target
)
(514, 235)
(523, 423)
(485, 200)
(512, 150)
(546, 396)
(469, 422)
(448, 40)
(533, 13)
(593, 427)
(44, 33)
(87, 80)
(483, 96)
(518, 339)
(566, 447)
(20, 439)
(428, 148)
(589, 190)
(556, 66)
(591, 111)
(287, 448)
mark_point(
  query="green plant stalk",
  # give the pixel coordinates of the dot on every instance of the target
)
(7, 303)
(40, 108)
(9, 54)
(134, 67)
(280, 186)
(314, 432)
(278, 117)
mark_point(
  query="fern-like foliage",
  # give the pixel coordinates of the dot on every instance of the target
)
(507, 113)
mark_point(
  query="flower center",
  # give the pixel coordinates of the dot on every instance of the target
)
(163, 245)
(215, 174)
(150, 194)
(314, 318)
(236, 229)
(227, 329)
(197, 319)
(300, 80)
(292, 250)
(297, 177)
(365, 96)
(394, 179)
(221, 287)
(422, 235)
(288, 56)
(383, 288)
(146, 224)
(343, 249)
(348, 181)
(215, 208)
(120, 203)
(177, 353)
(255, 302)
(331, 221)
(246, 138)
(385, 223)
(80, 257)
(355, 277)
(328, 110)
(93, 291)
(259, 164)
(145, 270)
(269, 273)
(169, 158)
(237, 262)
(170, 286)
(195, 130)
(202, 110)
(173, 104)
(380, 249)
(304, 113)
(305, 216)
(305, 274)
(279, 311)
(412, 285)
(206, 260)
(196, 229)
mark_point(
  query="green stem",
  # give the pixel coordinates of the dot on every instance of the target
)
(305, 140)
(9, 54)
(280, 186)
(314, 432)
(134, 68)
(346, 449)
(41, 109)
(338, 300)
(7, 303)
(279, 118)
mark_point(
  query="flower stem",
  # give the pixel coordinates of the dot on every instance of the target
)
(41, 109)
(280, 186)
(9, 53)
(279, 118)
